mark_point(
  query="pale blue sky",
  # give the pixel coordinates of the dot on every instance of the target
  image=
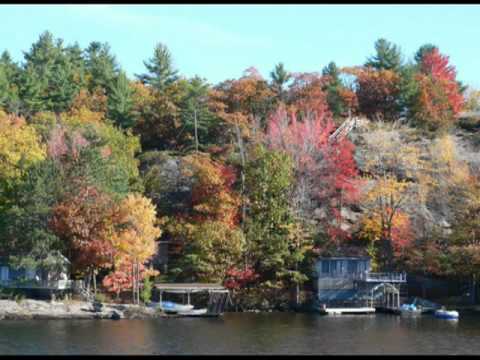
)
(220, 41)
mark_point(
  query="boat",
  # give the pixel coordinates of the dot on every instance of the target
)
(193, 312)
(410, 309)
(447, 314)
(171, 307)
(425, 306)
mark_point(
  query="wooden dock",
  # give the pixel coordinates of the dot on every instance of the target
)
(353, 310)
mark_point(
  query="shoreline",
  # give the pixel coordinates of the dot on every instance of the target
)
(29, 309)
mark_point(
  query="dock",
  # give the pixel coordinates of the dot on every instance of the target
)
(218, 296)
(352, 310)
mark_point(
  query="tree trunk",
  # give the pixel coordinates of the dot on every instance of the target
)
(196, 131)
(94, 281)
(133, 283)
(297, 294)
(242, 186)
(138, 283)
(474, 289)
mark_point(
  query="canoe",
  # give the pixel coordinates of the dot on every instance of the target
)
(446, 314)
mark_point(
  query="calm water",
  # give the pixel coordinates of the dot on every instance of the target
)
(245, 334)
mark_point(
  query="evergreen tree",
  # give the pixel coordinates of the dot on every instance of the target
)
(279, 79)
(30, 92)
(334, 99)
(120, 102)
(9, 75)
(195, 114)
(269, 217)
(101, 67)
(424, 49)
(75, 57)
(160, 69)
(387, 57)
(48, 81)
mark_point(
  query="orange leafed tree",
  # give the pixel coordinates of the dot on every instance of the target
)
(84, 221)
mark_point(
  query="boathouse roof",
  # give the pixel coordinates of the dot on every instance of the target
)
(188, 287)
(344, 258)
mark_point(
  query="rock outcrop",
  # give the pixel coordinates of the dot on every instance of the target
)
(36, 309)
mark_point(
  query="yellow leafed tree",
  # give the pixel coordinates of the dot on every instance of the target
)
(20, 147)
(136, 235)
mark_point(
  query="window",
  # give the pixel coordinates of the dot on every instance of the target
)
(30, 274)
(333, 266)
(325, 267)
(4, 273)
(352, 266)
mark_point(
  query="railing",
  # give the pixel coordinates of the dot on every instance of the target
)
(37, 284)
(367, 276)
(384, 277)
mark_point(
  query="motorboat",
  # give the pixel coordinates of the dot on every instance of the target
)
(425, 306)
(410, 309)
(447, 314)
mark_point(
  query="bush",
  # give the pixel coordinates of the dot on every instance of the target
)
(146, 293)
(101, 298)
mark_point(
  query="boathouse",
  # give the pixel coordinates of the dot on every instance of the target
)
(349, 283)
(217, 296)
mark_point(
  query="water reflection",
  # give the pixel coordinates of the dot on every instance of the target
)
(246, 334)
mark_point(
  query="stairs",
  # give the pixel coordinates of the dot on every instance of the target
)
(87, 295)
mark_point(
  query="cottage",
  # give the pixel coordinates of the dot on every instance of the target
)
(35, 278)
(349, 283)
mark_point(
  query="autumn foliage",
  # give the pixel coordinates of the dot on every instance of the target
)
(438, 101)
(325, 168)
(378, 93)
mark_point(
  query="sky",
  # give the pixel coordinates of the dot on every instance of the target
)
(219, 42)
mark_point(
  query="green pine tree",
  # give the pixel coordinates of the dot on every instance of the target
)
(120, 102)
(160, 69)
(388, 56)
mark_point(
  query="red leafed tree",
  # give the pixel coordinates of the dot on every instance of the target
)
(61, 143)
(84, 221)
(438, 66)
(121, 279)
(307, 97)
(378, 93)
(438, 100)
(239, 278)
(325, 169)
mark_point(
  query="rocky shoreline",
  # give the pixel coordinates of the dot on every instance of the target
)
(46, 310)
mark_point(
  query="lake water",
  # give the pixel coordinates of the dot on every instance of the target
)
(247, 333)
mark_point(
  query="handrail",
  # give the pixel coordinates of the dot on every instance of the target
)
(58, 284)
(366, 276)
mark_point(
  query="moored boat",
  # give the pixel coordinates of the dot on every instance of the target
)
(171, 307)
(410, 310)
(447, 314)
(193, 312)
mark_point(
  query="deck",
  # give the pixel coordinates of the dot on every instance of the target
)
(43, 284)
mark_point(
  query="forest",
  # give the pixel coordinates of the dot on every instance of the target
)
(247, 180)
